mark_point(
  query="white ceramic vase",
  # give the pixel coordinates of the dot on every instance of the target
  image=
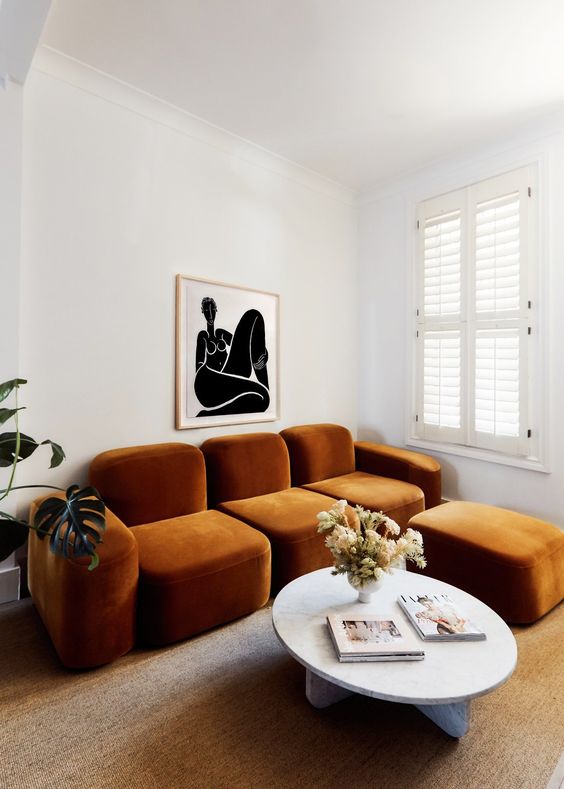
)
(367, 590)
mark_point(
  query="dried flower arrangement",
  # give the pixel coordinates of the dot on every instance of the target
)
(366, 544)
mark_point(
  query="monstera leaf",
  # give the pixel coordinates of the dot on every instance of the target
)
(13, 534)
(75, 525)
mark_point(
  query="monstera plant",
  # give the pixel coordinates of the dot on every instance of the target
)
(74, 523)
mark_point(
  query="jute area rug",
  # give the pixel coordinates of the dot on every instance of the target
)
(227, 709)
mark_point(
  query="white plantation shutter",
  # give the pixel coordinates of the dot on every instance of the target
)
(441, 381)
(440, 333)
(441, 265)
(473, 318)
(497, 255)
(497, 389)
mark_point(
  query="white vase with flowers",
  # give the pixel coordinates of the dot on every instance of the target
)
(366, 545)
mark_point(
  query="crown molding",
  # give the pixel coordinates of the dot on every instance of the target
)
(62, 67)
(515, 146)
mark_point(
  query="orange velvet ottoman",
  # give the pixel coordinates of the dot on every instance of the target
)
(512, 562)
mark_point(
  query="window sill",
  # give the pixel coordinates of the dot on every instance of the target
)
(531, 464)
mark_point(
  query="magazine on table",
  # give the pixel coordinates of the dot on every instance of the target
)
(436, 617)
(375, 637)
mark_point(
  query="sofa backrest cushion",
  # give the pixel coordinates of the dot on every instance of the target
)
(319, 452)
(245, 465)
(151, 483)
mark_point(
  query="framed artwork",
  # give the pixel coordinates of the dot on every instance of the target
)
(227, 355)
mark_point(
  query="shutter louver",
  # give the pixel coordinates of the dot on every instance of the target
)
(497, 255)
(476, 384)
(441, 386)
(497, 382)
(441, 265)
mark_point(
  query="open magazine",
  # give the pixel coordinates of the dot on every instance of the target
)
(438, 618)
(377, 637)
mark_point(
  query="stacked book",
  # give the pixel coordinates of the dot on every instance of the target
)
(374, 638)
(438, 618)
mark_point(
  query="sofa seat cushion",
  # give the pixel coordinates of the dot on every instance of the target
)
(396, 499)
(198, 571)
(288, 519)
(513, 562)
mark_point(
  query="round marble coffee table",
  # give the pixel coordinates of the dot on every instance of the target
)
(441, 685)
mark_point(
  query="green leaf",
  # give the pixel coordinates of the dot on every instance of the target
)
(8, 413)
(8, 443)
(9, 386)
(75, 524)
(57, 453)
(13, 534)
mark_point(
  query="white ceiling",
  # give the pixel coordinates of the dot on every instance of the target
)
(357, 90)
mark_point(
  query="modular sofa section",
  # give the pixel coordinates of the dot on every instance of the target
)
(89, 615)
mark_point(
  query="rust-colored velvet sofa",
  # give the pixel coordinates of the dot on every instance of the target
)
(90, 616)
(325, 459)
(169, 568)
(250, 477)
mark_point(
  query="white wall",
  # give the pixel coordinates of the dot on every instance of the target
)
(10, 217)
(385, 238)
(122, 192)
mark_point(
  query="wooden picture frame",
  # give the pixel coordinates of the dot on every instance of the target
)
(227, 354)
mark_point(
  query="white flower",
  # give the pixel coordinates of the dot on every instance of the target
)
(392, 526)
(342, 542)
(369, 553)
(416, 536)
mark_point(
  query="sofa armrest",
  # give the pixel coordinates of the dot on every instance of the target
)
(385, 461)
(90, 615)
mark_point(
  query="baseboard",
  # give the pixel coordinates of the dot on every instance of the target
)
(9, 584)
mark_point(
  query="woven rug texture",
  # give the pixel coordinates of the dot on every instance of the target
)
(227, 709)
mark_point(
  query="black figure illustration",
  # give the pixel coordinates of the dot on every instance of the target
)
(231, 372)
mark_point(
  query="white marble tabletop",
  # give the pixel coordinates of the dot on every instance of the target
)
(450, 672)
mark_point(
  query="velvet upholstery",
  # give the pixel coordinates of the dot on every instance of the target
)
(151, 483)
(199, 568)
(398, 500)
(246, 465)
(198, 571)
(318, 452)
(90, 615)
(513, 562)
(183, 571)
(288, 519)
(324, 458)
(413, 467)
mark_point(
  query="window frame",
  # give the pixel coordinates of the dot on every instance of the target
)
(533, 314)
